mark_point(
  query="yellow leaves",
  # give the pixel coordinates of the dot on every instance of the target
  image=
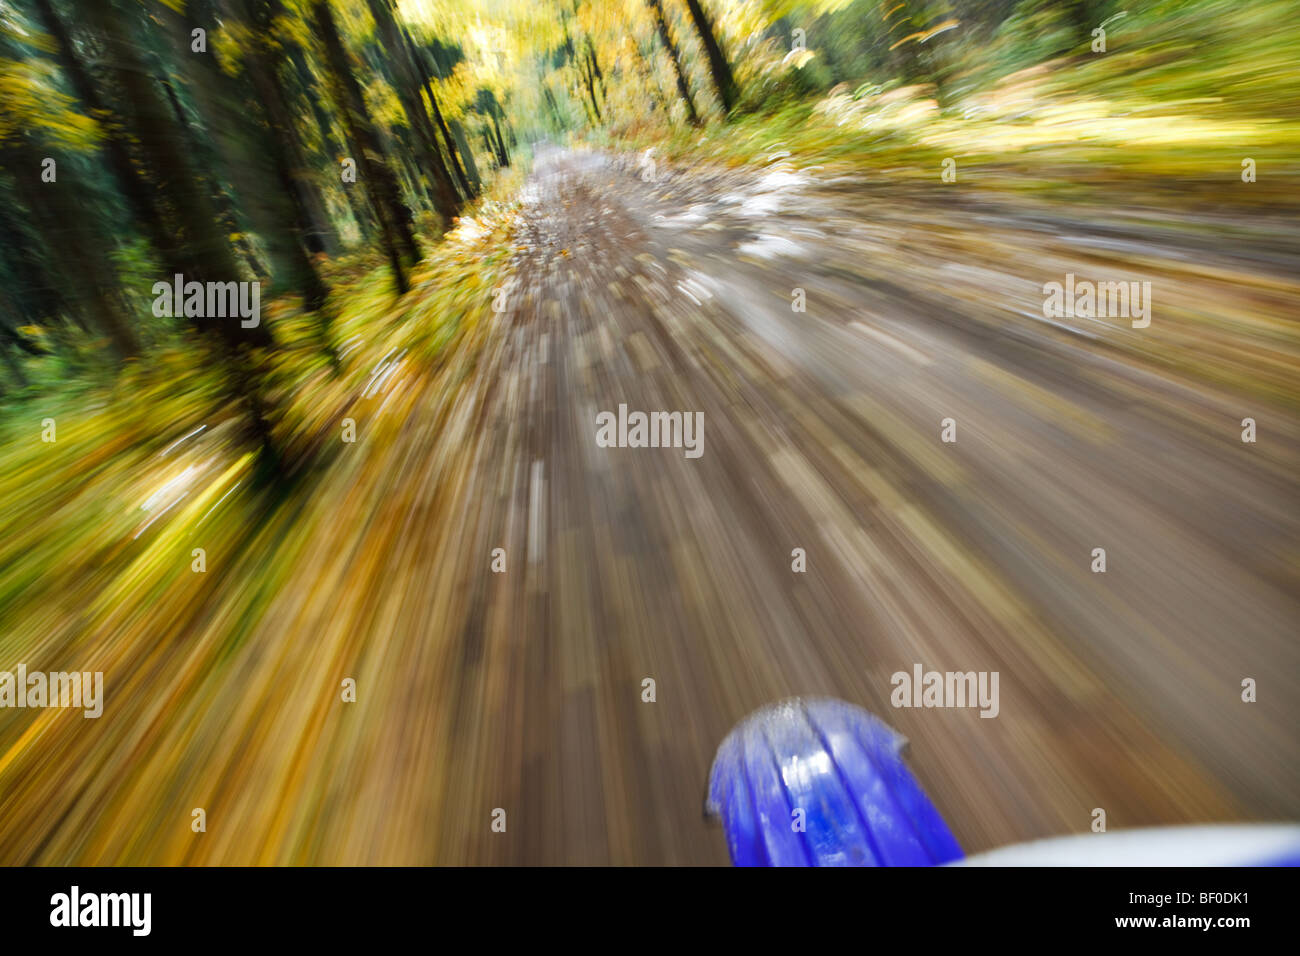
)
(797, 59)
(456, 93)
(296, 29)
(383, 104)
(11, 28)
(821, 7)
(924, 35)
(32, 103)
(944, 27)
(230, 42)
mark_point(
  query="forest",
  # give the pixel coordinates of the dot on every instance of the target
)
(294, 144)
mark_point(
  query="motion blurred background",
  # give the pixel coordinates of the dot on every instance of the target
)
(358, 576)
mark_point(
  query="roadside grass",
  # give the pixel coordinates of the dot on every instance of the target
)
(1181, 97)
(156, 460)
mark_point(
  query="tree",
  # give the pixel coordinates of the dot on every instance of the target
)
(198, 246)
(425, 68)
(408, 84)
(381, 184)
(723, 82)
(683, 88)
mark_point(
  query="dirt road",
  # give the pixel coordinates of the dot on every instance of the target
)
(823, 431)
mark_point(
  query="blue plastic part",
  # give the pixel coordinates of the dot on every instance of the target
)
(842, 767)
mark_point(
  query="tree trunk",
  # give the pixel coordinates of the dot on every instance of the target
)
(30, 280)
(557, 120)
(502, 155)
(595, 68)
(203, 249)
(408, 86)
(139, 195)
(381, 183)
(652, 84)
(467, 156)
(321, 236)
(293, 223)
(683, 88)
(87, 282)
(425, 66)
(589, 81)
(719, 69)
